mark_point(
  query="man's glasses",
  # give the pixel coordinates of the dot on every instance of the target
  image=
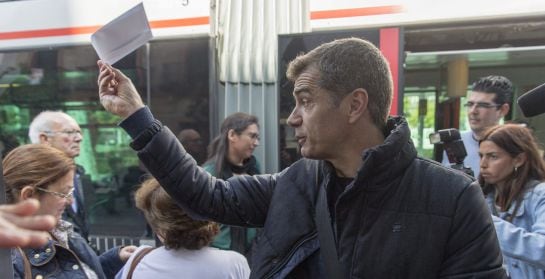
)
(69, 195)
(481, 105)
(71, 133)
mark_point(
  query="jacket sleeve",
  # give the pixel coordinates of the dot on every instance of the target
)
(472, 250)
(110, 262)
(241, 200)
(519, 243)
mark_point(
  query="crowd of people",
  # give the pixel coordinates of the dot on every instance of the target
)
(360, 203)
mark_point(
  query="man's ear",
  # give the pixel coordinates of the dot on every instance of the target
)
(504, 109)
(358, 101)
(43, 138)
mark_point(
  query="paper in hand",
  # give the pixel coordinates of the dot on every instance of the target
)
(122, 35)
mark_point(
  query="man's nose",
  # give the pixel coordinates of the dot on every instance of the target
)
(78, 137)
(294, 119)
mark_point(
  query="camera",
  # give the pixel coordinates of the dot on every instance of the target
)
(454, 147)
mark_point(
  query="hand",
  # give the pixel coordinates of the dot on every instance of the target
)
(116, 91)
(126, 252)
(19, 228)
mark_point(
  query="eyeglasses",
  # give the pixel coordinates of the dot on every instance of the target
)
(68, 195)
(481, 105)
(70, 133)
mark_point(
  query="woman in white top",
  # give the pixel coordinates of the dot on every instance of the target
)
(185, 253)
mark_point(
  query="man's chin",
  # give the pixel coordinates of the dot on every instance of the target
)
(308, 154)
(475, 128)
(304, 153)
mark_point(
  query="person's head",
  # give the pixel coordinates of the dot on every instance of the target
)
(191, 140)
(509, 159)
(488, 102)
(40, 172)
(57, 129)
(172, 225)
(339, 87)
(237, 140)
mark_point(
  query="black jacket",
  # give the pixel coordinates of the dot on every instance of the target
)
(403, 217)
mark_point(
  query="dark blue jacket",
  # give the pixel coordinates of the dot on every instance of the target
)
(79, 219)
(55, 261)
(403, 217)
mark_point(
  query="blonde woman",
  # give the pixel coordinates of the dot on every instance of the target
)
(46, 174)
(185, 253)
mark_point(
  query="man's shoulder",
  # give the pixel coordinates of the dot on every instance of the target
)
(467, 136)
(430, 170)
(435, 188)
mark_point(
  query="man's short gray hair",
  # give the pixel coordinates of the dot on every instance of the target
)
(45, 121)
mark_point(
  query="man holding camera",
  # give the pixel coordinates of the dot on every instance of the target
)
(486, 105)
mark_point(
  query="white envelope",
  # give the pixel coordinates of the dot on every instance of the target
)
(122, 35)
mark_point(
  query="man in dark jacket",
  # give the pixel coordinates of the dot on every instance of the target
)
(388, 213)
(61, 131)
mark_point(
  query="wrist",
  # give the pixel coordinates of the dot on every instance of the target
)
(137, 122)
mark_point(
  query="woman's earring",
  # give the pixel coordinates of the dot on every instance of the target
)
(516, 169)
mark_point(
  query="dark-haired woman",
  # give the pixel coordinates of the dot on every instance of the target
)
(185, 253)
(230, 153)
(512, 175)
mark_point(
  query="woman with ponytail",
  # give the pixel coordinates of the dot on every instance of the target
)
(229, 154)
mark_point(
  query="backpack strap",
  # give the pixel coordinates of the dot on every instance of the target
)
(26, 263)
(137, 258)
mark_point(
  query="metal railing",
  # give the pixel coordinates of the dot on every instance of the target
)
(104, 243)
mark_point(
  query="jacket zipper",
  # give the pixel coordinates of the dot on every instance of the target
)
(288, 256)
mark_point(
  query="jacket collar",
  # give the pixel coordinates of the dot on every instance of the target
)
(387, 161)
(41, 256)
(529, 187)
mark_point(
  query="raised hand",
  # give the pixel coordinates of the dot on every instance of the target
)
(117, 92)
(19, 228)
